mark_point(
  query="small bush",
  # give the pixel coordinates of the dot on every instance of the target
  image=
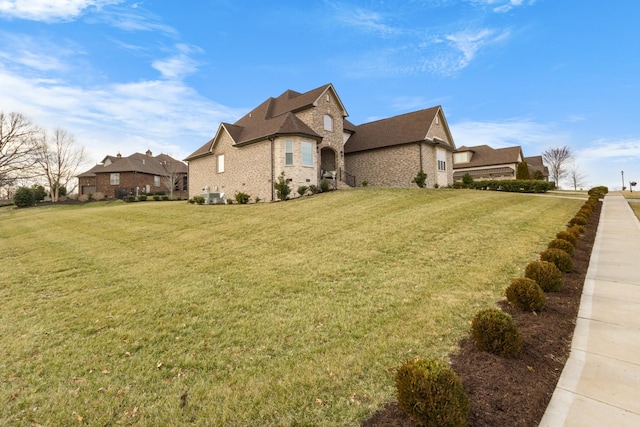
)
(229, 201)
(282, 187)
(431, 393)
(257, 199)
(495, 332)
(302, 190)
(197, 199)
(420, 179)
(24, 196)
(129, 199)
(579, 220)
(526, 294)
(313, 189)
(156, 197)
(561, 244)
(242, 198)
(365, 183)
(467, 179)
(324, 185)
(568, 236)
(99, 196)
(546, 275)
(142, 198)
(577, 230)
(165, 198)
(560, 258)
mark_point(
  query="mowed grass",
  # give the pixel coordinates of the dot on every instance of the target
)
(292, 314)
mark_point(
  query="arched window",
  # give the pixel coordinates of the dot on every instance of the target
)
(328, 123)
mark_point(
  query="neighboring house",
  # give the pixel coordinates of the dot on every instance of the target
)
(537, 167)
(118, 176)
(484, 162)
(306, 136)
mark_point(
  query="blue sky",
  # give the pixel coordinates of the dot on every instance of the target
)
(125, 76)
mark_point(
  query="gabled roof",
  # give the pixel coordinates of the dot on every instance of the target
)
(275, 116)
(483, 155)
(535, 163)
(161, 165)
(402, 129)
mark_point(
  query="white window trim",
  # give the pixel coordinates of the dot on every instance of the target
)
(220, 163)
(310, 145)
(288, 144)
(328, 123)
(115, 181)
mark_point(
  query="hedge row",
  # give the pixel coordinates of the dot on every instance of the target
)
(512, 186)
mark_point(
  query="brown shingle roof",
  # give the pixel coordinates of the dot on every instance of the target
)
(161, 165)
(273, 117)
(483, 155)
(535, 163)
(402, 129)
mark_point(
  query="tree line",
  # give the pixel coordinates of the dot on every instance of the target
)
(31, 155)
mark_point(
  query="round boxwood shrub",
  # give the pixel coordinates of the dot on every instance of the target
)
(24, 196)
(568, 236)
(577, 230)
(560, 258)
(495, 332)
(579, 220)
(525, 294)
(546, 275)
(142, 198)
(431, 393)
(561, 244)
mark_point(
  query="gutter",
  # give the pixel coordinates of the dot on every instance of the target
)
(273, 196)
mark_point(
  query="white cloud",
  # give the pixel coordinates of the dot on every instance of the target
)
(41, 55)
(502, 6)
(533, 137)
(178, 65)
(50, 10)
(603, 160)
(364, 19)
(165, 116)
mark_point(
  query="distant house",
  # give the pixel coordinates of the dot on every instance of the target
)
(306, 136)
(537, 169)
(483, 162)
(118, 176)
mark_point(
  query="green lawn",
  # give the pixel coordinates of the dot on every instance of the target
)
(293, 313)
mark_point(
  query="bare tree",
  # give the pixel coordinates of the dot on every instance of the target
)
(59, 159)
(18, 142)
(556, 160)
(576, 177)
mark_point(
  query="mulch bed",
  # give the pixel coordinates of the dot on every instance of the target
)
(516, 391)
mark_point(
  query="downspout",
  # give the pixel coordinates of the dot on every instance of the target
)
(273, 196)
(420, 148)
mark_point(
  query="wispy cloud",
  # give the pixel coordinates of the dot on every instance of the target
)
(366, 20)
(21, 50)
(50, 11)
(136, 18)
(502, 6)
(533, 137)
(465, 45)
(179, 64)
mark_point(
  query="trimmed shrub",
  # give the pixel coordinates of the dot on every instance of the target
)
(324, 185)
(467, 179)
(560, 258)
(568, 236)
(525, 294)
(431, 393)
(165, 198)
(156, 197)
(313, 189)
(197, 199)
(420, 179)
(242, 198)
(495, 332)
(579, 220)
(24, 196)
(142, 198)
(302, 190)
(577, 230)
(546, 275)
(561, 244)
(129, 199)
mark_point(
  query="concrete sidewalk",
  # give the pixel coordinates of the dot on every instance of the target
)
(600, 383)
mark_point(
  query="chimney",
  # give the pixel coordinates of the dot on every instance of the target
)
(119, 155)
(149, 153)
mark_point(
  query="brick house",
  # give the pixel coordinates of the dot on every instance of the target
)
(118, 176)
(307, 136)
(483, 162)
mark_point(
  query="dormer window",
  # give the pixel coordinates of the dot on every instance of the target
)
(328, 123)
